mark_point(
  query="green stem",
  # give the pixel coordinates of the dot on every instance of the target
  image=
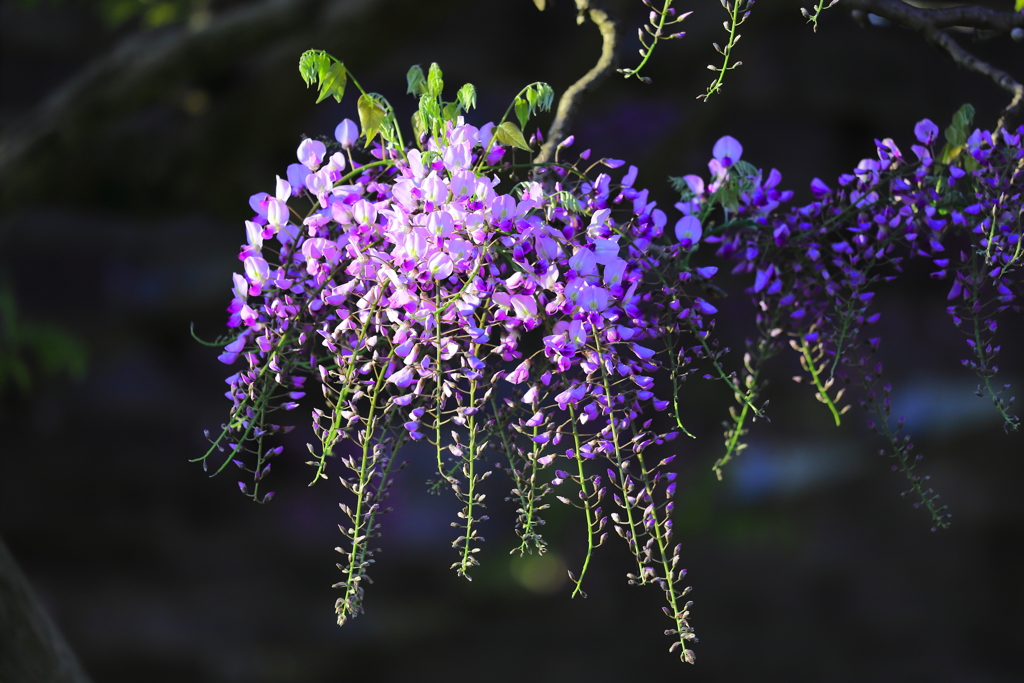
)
(327, 443)
(742, 397)
(822, 390)
(674, 368)
(648, 49)
(727, 52)
(525, 489)
(619, 460)
(359, 533)
(483, 157)
(578, 581)
(467, 560)
(662, 538)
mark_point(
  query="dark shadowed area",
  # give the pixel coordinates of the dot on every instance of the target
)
(129, 157)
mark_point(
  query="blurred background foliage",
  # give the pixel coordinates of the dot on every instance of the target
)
(147, 14)
(31, 349)
(132, 135)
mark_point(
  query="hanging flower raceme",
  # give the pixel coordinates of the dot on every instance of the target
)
(815, 267)
(430, 303)
(546, 321)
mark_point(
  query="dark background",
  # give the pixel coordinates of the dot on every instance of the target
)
(119, 228)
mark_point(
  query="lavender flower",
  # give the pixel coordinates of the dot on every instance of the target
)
(407, 285)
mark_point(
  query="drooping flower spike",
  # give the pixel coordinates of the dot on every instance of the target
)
(530, 326)
(405, 288)
(814, 267)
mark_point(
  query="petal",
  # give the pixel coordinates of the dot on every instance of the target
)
(728, 150)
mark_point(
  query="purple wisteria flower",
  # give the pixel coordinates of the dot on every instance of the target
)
(434, 293)
(814, 268)
(406, 288)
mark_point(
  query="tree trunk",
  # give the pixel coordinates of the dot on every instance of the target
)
(32, 650)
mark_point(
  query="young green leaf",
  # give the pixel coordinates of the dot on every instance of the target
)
(467, 97)
(958, 130)
(965, 114)
(950, 153)
(509, 134)
(323, 66)
(957, 133)
(418, 128)
(531, 97)
(522, 111)
(566, 199)
(430, 112)
(309, 66)
(678, 184)
(333, 83)
(729, 197)
(371, 115)
(545, 97)
(416, 81)
(435, 81)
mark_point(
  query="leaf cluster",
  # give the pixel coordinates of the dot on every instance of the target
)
(433, 112)
(28, 349)
(530, 100)
(331, 77)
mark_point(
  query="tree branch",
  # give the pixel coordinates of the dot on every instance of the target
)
(976, 17)
(930, 22)
(136, 70)
(33, 649)
(570, 100)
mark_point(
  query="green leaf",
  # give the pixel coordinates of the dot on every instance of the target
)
(531, 96)
(159, 14)
(746, 175)
(309, 66)
(957, 133)
(519, 188)
(950, 153)
(1018, 6)
(430, 112)
(678, 184)
(545, 97)
(435, 82)
(467, 97)
(729, 196)
(332, 84)
(450, 111)
(323, 65)
(371, 115)
(418, 129)
(509, 134)
(965, 114)
(522, 111)
(959, 129)
(416, 80)
(567, 200)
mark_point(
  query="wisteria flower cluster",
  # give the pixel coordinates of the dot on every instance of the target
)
(544, 318)
(430, 303)
(816, 268)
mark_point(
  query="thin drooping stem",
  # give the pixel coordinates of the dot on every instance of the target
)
(585, 498)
